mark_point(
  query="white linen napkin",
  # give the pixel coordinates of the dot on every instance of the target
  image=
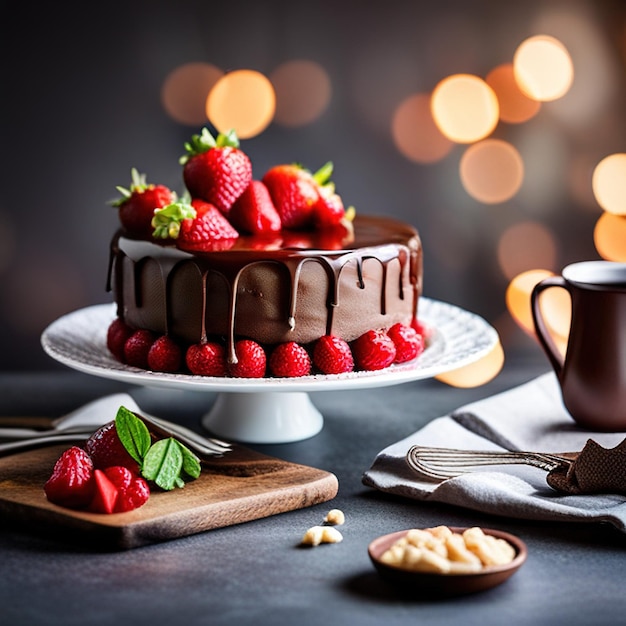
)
(529, 417)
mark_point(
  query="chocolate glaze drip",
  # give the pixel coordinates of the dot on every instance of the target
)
(271, 296)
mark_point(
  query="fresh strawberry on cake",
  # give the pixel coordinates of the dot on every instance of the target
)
(267, 275)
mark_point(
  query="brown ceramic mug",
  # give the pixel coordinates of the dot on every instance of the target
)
(592, 375)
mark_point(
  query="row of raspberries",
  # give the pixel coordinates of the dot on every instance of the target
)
(226, 201)
(374, 350)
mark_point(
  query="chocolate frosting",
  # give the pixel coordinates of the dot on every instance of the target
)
(261, 290)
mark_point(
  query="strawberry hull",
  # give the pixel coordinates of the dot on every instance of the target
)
(319, 285)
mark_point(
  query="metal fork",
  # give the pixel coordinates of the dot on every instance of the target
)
(197, 443)
(202, 446)
(442, 463)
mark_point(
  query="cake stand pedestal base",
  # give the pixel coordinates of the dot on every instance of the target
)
(263, 417)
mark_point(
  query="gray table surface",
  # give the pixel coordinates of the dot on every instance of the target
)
(255, 573)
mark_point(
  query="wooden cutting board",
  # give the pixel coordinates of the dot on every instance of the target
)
(244, 485)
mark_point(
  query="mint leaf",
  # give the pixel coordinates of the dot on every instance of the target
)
(191, 463)
(133, 434)
(163, 462)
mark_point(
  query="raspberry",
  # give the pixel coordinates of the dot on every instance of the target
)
(290, 360)
(206, 359)
(132, 490)
(105, 449)
(117, 334)
(251, 360)
(373, 350)
(137, 347)
(409, 345)
(332, 355)
(71, 483)
(164, 355)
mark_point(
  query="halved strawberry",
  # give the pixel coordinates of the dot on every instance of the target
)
(254, 212)
(138, 203)
(105, 493)
(215, 169)
(196, 227)
(71, 482)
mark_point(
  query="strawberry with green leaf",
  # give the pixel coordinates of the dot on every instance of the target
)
(137, 204)
(304, 200)
(215, 169)
(195, 227)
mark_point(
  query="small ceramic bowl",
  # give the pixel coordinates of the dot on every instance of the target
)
(432, 584)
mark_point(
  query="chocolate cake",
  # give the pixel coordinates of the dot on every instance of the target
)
(251, 273)
(274, 295)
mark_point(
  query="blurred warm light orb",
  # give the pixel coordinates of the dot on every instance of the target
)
(543, 68)
(609, 237)
(243, 100)
(185, 91)
(415, 133)
(303, 91)
(515, 106)
(609, 183)
(465, 108)
(555, 305)
(492, 171)
(478, 373)
(525, 244)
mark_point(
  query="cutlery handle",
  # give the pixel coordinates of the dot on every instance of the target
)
(24, 444)
(26, 421)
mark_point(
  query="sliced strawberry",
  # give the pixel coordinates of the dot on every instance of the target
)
(138, 203)
(164, 355)
(133, 490)
(290, 360)
(373, 350)
(294, 193)
(196, 227)
(215, 169)
(71, 483)
(105, 449)
(206, 359)
(332, 355)
(251, 360)
(254, 212)
(409, 345)
(105, 493)
(117, 334)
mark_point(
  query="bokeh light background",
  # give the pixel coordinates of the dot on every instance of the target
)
(497, 128)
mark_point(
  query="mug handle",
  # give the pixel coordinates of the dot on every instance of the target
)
(541, 328)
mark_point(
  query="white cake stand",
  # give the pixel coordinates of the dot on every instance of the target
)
(270, 410)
